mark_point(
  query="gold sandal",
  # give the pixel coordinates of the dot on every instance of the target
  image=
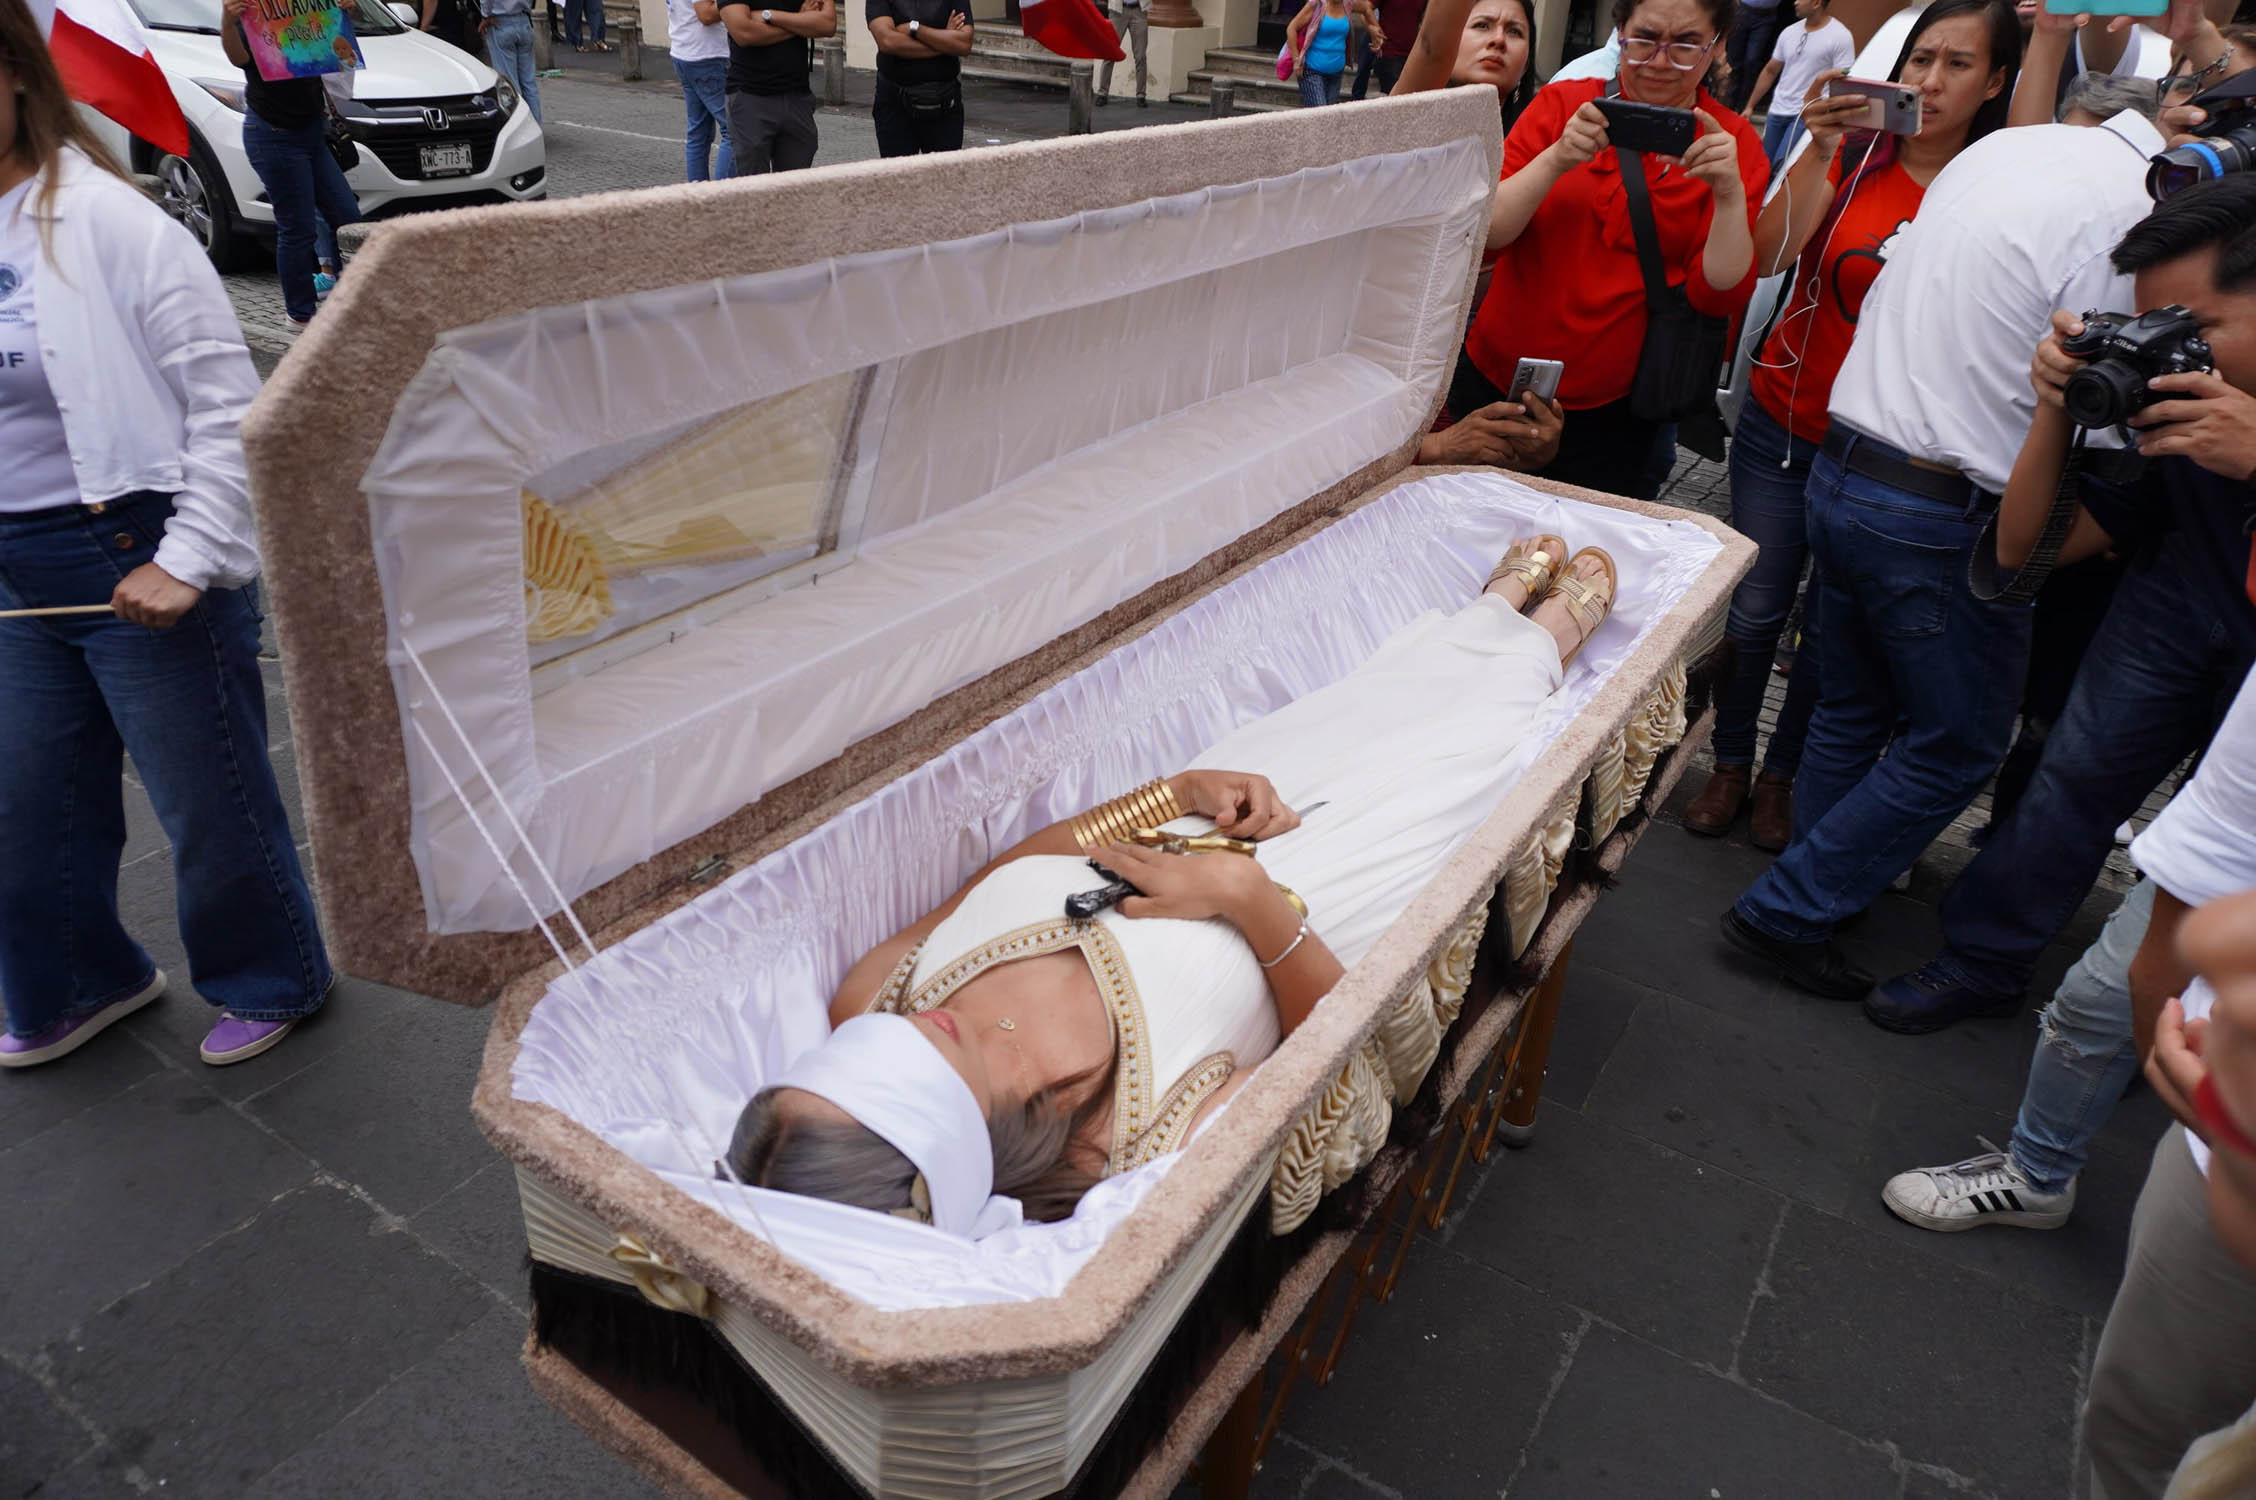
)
(1535, 561)
(1585, 605)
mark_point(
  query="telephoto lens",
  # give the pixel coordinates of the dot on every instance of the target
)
(2181, 167)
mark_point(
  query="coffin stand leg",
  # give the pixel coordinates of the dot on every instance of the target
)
(1516, 1120)
(1226, 1464)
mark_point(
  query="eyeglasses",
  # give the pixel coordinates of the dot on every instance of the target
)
(1683, 56)
(2179, 87)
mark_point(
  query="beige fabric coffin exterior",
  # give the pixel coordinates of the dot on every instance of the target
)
(318, 423)
(421, 277)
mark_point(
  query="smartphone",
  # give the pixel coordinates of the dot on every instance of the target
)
(1891, 107)
(1654, 129)
(2107, 7)
(1538, 375)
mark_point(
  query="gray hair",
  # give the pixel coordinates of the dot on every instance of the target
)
(2106, 96)
(847, 1162)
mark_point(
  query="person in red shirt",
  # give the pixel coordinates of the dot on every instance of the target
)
(1840, 207)
(1567, 284)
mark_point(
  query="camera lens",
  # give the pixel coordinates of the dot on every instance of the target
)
(2104, 393)
(2181, 167)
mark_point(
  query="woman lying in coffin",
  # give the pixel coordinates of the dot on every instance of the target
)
(999, 1057)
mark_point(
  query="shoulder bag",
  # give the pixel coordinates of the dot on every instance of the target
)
(1684, 348)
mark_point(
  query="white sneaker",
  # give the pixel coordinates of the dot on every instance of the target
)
(1986, 1189)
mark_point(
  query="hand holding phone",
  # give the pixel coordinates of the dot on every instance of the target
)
(1538, 375)
(1890, 107)
(1655, 129)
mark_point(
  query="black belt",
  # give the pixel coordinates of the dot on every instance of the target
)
(1861, 453)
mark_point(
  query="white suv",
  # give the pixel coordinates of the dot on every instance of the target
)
(435, 128)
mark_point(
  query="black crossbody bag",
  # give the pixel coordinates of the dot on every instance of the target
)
(1684, 348)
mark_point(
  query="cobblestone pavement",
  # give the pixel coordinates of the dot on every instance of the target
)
(302, 1276)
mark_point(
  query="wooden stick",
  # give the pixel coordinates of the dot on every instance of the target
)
(60, 609)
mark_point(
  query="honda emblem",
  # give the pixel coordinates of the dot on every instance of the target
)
(435, 118)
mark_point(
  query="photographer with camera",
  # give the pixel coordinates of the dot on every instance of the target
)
(1926, 418)
(2181, 632)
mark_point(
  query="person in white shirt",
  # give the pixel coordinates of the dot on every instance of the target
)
(1817, 45)
(1927, 417)
(698, 44)
(126, 558)
(2177, 1357)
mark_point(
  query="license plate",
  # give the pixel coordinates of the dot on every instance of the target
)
(446, 161)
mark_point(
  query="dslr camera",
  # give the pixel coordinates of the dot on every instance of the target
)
(2121, 354)
(2227, 140)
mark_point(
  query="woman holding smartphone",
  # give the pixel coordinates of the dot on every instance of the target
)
(1567, 284)
(1841, 203)
(123, 377)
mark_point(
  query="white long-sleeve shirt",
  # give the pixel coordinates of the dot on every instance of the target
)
(148, 368)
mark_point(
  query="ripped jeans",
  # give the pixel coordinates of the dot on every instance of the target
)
(2084, 1057)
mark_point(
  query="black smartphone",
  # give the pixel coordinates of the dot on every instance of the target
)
(1654, 129)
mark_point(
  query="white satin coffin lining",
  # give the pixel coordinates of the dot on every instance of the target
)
(656, 1043)
(1059, 415)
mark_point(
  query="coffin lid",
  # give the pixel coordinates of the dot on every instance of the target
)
(588, 566)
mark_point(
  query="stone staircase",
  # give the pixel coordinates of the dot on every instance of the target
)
(1004, 53)
(1252, 71)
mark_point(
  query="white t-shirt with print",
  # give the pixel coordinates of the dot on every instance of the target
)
(1802, 54)
(31, 425)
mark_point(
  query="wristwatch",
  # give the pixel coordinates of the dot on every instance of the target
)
(914, 27)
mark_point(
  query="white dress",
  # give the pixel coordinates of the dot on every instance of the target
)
(1407, 754)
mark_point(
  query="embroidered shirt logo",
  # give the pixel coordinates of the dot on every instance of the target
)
(10, 279)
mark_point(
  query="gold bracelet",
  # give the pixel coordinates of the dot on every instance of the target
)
(1148, 806)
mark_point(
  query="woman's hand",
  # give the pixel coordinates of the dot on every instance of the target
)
(1188, 886)
(1827, 119)
(1242, 805)
(149, 595)
(232, 10)
(2050, 369)
(1582, 140)
(1714, 160)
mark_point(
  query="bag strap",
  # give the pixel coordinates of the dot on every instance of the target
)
(1639, 196)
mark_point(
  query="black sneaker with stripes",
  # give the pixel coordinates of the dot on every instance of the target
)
(1986, 1189)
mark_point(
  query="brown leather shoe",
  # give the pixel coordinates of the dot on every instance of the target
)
(1770, 826)
(1717, 807)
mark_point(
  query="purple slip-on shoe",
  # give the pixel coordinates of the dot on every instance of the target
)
(234, 1040)
(70, 1035)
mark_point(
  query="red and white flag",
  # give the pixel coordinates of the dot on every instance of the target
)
(98, 49)
(1070, 28)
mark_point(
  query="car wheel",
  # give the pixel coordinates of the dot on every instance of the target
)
(191, 189)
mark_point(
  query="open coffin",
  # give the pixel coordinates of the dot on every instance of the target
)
(946, 499)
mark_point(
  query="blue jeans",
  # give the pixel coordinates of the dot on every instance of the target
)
(2085, 1056)
(1769, 471)
(574, 10)
(2161, 669)
(1906, 649)
(188, 705)
(1779, 134)
(1319, 88)
(704, 86)
(301, 178)
(509, 47)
